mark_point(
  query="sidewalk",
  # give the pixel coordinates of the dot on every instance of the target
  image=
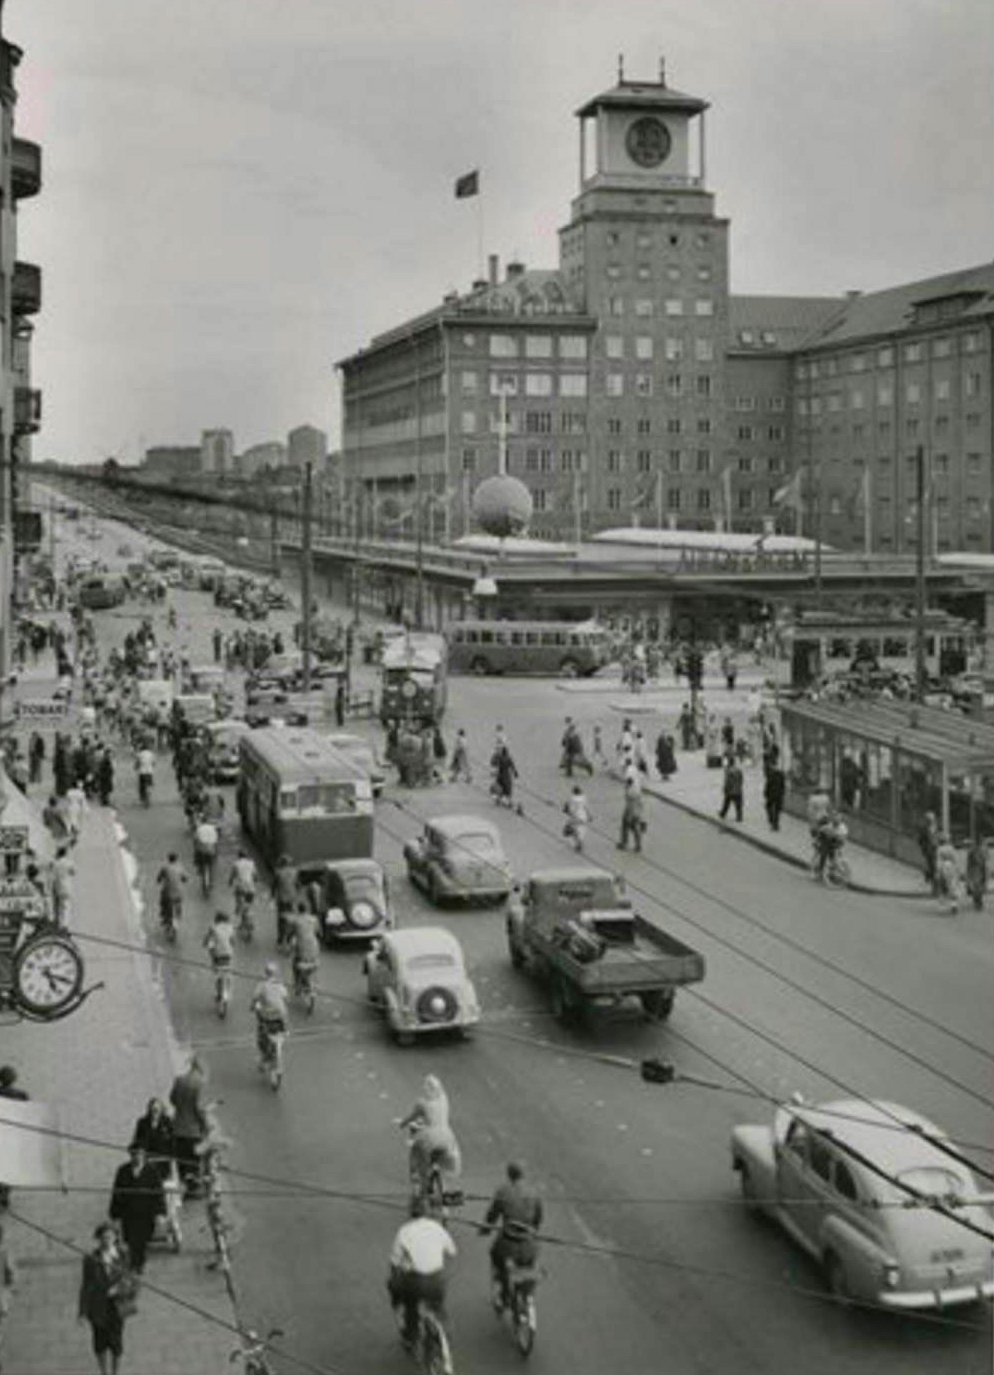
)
(101, 1065)
(696, 789)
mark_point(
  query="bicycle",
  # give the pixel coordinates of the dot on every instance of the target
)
(431, 1345)
(271, 1052)
(244, 898)
(222, 988)
(835, 872)
(517, 1299)
(170, 911)
(204, 862)
(251, 1351)
(303, 984)
(438, 1200)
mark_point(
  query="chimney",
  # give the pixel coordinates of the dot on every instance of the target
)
(480, 284)
(450, 298)
(494, 265)
(515, 269)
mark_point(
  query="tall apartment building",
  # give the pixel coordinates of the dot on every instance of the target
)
(20, 287)
(217, 452)
(631, 386)
(167, 461)
(307, 444)
(269, 454)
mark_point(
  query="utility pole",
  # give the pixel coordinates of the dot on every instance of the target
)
(920, 575)
(305, 575)
(419, 595)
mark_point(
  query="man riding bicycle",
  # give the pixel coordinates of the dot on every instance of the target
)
(417, 1268)
(242, 880)
(829, 834)
(205, 839)
(220, 943)
(269, 1003)
(305, 944)
(518, 1211)
(145, 769)
(170, 879)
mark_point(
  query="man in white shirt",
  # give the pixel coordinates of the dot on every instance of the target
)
(417, 1268)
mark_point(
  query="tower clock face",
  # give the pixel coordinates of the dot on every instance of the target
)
(648, 141)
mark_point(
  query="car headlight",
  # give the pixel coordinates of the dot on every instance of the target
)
(891, 1275)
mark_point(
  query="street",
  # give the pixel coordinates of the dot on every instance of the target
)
(653, 1262)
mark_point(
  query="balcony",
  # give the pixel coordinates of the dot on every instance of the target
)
(25, 167)
(27, 410)
(25, 294)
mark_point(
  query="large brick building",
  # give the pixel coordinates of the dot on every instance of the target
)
(631, 386)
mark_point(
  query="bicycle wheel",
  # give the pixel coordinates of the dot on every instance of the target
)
(434, 1346)
(523, 1315)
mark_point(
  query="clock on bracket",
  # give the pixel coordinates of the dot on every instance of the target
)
(648, 141)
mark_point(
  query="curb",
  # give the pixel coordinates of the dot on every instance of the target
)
(767, 847)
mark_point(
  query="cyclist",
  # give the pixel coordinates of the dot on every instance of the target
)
(145, 768)
(285, 896)
(205, 840)
(269, 1003)
(417, 1268)
(220, 944)
(242, 880)
(830, 834)
(518, 1212)
(304, 942)
(434, 1140)
(170, 879)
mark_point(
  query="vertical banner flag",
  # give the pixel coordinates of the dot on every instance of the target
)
(468, 185)
(726, 493)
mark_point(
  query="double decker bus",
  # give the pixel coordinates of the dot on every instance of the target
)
(573, 649)
(299, 796)
(413, 679)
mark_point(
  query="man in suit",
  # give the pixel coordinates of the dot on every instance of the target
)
(189, 1121)
(136, 1200)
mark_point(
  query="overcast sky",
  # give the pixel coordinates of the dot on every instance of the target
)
(237, 193)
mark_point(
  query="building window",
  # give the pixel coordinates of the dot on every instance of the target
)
(545, 460)
(973, 508)
(704, 499)
(503, 346)
(573, 384)
(615, 384)
(704, 306)
(673, 272)
(971, 342)
(703, 384)
(614, 271)
(538, 383)
(673, 305)
(469, 422)
(539, 497)
(704, 350)
(470, 381)
(643, 272)
(614, 498)
(538, 345)
(703, 272)
(613, 425)
(912, 426)
(643, 307)
(531, 460)
(674, 425)
(573, 422)
(744, 499)
(572, 461)
(614, 346)
(469, 460)
(774, 464)
(745, 464)
(613, 238)
(940, 464)
(885, 394)
(745, 432)
(913, 393)
(643, 346)
(703, 460)
(572, 346)
(973, 420)
(745, 403)
(673, 498)
(616, 305)
(674, 384)
(469, 341)
(885, 357)
(973, 465)
(941, 424)
(777, 403)
(856, 399)
(674, 460)
(673, 349)
(702, 239)
(643, 384)
(971, 384)
(858, 362)
(643, 460)
(942, 389)
(503, 384)
(643, 239)
(835, 401)
(941, 348)
(538, 422)
(703, 424)
(913, 353)
(614, 460)
(643, 425)
(775, 432)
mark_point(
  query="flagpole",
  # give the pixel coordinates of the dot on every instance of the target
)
(867, 514)
(659, 500)
(577, 513)
(479, 236)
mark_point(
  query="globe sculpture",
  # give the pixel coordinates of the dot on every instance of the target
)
(502, 506)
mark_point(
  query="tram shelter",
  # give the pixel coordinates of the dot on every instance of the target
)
(886, 764)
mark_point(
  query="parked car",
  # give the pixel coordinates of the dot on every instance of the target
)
(459, 857)
(841, 1179)
(350, 898)
(417, 978)
(361, 752)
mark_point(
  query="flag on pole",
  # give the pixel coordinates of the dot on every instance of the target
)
(726, 494)
(790, 494)
(468, 185)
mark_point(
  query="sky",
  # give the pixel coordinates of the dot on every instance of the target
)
(239, 193)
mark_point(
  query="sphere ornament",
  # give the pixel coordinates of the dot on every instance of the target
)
(502, 506)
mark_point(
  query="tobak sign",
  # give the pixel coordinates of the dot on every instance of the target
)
(43, 709)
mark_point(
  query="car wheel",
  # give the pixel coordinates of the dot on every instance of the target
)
(835, 1276)
(569, 668)
(657, 1004)
(402, 1038)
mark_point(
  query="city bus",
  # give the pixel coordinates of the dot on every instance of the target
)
(413, 679)
(574, 649)
(299, 796)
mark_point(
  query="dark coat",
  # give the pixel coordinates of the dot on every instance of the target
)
(96, 1301)
(136, 1199)
(187, 1099)
(157, 1139)
(774, 787)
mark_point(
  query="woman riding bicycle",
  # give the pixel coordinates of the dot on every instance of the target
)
(433, 1142)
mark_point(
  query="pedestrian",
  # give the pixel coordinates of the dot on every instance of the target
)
(36, 756)
(730, 668)
(578, 817)
(505, 771)
(976, 871)
(105, 776)
(774, 787)
(687, 727)
(928, 844)
(732, 785)
(103, 1297)
(154, 1132)
(459, 766)
(665, 756)
(8, 1282)
(597, 748)
(727, 737)
(626, 741)
(217, 640)
(18, 770)
(639, 754)
(438, 749)
(632, 816)
(135, 1202)
(285, 897)
(75, 807)
(340, 703)
(947, 878)
(190, 1122)
(63, 874)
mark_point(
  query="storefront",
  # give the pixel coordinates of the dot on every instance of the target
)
(886, 765)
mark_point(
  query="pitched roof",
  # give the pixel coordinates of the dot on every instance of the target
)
(641, 95)
(891, 310)
(791, 320)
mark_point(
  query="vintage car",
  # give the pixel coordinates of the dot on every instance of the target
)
(417, 978)
(842, 1178)
(350, 898)
(224, 758)
(459, 857)
(361, 752)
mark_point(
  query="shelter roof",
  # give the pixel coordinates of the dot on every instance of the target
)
(642, 95)
(943, 736)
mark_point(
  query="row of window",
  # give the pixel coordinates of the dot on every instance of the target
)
(569, 384)
(913, 395)
(914, 352)
(673, 272)
(645, 348)
(644, 307)
(973, 507)
(774, 432)
(755, 403)
(642, 384)
(569, 346)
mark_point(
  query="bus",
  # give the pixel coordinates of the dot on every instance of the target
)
(574, 649)
(299, 796)
(413, 679)
(101, 590)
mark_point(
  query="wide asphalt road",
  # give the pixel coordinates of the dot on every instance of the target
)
(656, 1264)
